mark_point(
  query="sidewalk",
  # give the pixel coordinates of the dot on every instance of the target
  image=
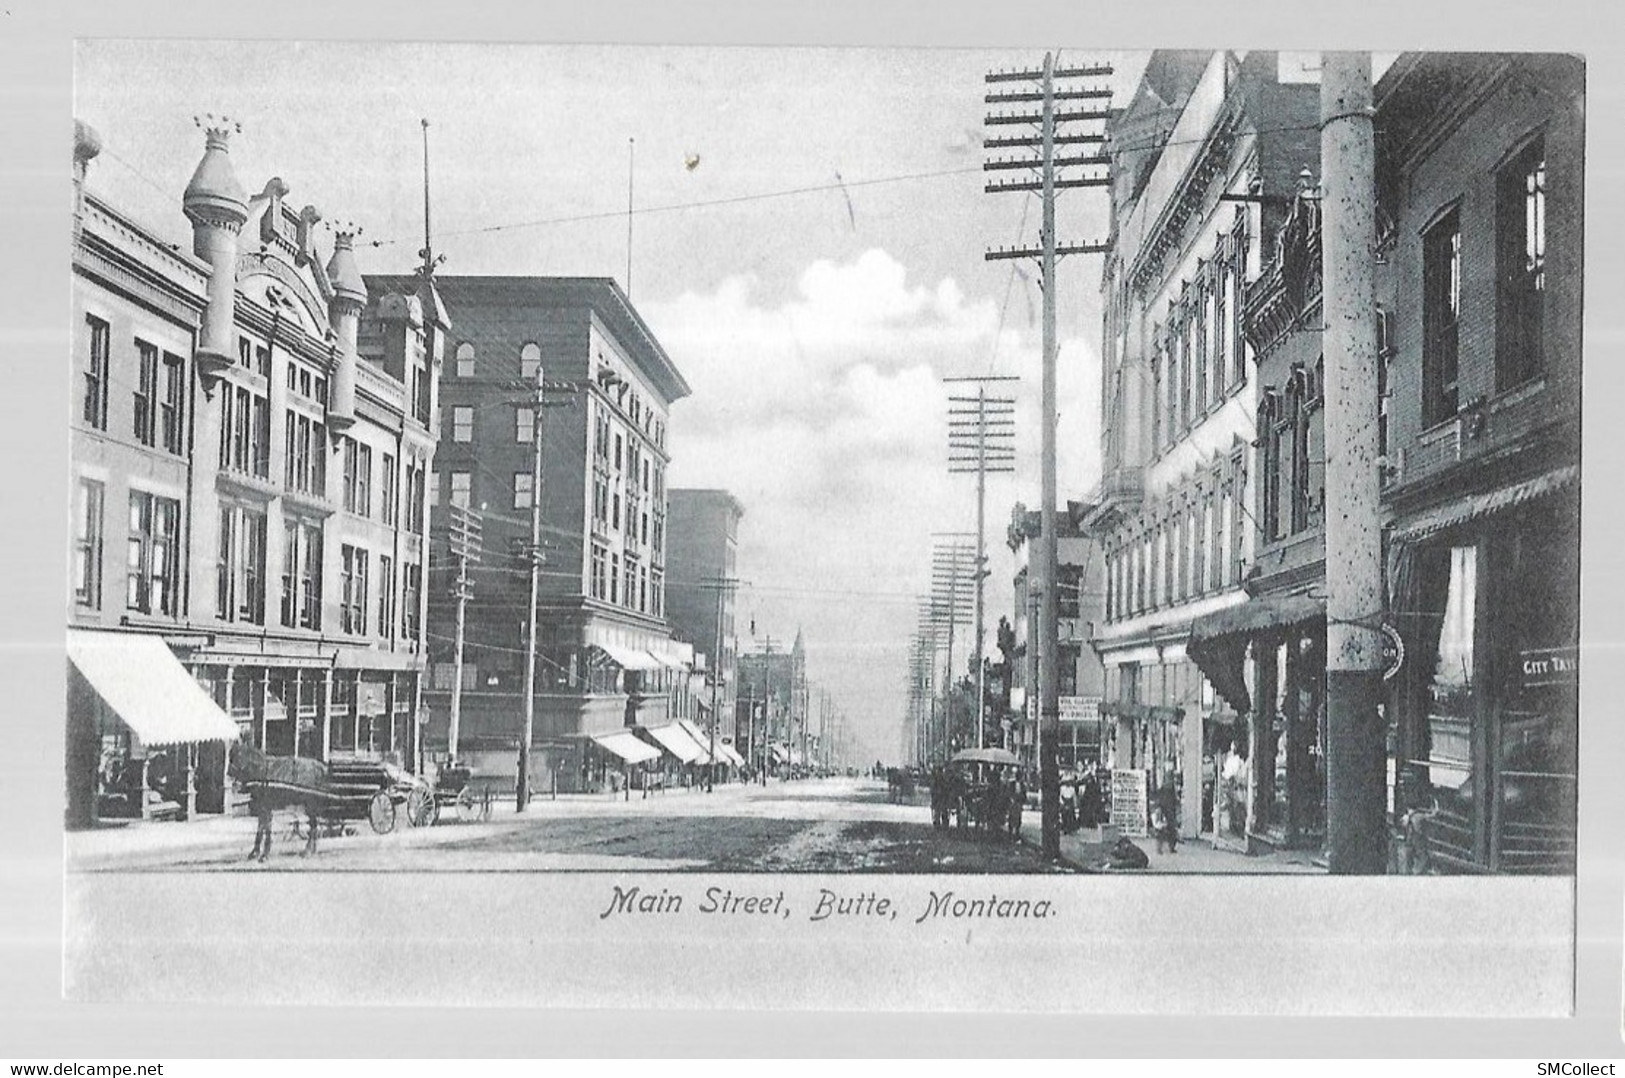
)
(1087, 850)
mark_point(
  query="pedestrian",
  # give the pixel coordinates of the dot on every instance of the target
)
(1165, 815)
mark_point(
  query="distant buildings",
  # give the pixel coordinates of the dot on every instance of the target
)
(702, 538)
(772, 704)
(606, 660)
(248, 497)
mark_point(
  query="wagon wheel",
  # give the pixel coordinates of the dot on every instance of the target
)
(381, 813)
(468, 806)
(420, 808)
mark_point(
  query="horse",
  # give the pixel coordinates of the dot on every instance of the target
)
(278, 782)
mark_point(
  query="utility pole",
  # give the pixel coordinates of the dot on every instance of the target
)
(465, 547)
(950, 591)
(1355, 750)
(534, 552)
(1047, 184)
(981, 440)
(767, 707)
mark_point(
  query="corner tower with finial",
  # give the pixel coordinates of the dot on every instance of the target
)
(348, 299)
(217, 206)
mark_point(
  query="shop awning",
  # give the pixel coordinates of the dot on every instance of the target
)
(703, 739)
(780, 755)
(733, 757)
(1218, 641)
(677, 742)
(142, 681)
(1473, 506)
(630, 658)
(627, 746)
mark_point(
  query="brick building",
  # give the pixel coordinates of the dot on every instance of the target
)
(248, 502)
(605, 658)
(702, 538)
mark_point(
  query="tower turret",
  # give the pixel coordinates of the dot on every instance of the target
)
(217, 207)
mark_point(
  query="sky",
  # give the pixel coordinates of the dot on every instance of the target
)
(807, 244)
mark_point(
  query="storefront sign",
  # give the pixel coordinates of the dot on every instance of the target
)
(1129, 804)
(1550, 666)
(1080, 708)
(1393, 651)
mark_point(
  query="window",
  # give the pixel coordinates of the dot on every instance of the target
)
(388, 492)
(415, 483)
(253, 357)
(420, 393)
(615, 512)
(245, 431)
(302, 575)
(530, 360)
(151, 562)
(599, 585)
(87, 550)
(94, 409)
(1156, 401)
(1441, 308)
(357, 477)
(614, 578)
(521, 490)
(462, 489)
(146, 393)
(1520, 226)
(171, 412)
(1171, 421)
(465, 360)
(386, 595)
(1199, 331)
(1219, 333)
(524, 424)
(240, 569)
(600, 499)
(411, 597)
(617, 452)
(353, 578)
(305, 464)
(462, 423)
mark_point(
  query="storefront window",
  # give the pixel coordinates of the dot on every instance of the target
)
(1451, 703)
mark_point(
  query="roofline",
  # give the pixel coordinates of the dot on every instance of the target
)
(715, 492)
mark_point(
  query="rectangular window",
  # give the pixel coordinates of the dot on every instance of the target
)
(462, 423)
(87, 551)
(1219, 334)
(1441, 309)
(386, 594)
(94, 410)
(415, 482)
(1199, 331)
(524, 424)
(388, 493)
(245, 431)
(240, 568)
(434, 489)
(462, 489)
(172, 411)
(357, 477)
(411, 597)
(1156, 402)
(302, 575)
(614, 578)
(353, 578)
(146, 393)
(521, 490)
(600, 584)
(305, 463)
(1520, 226)
(615, 512)
(151, 559)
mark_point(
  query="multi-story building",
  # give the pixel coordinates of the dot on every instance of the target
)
(702, 539)
(1206, 153)
(244, 501)
(605, 658)
(1481, 195)
(1080, 674)
(771, 704)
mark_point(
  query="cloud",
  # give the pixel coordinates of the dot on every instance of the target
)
(826, 415)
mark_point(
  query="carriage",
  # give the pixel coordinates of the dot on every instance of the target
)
(331, 798)
(459, 789)
(979, 789)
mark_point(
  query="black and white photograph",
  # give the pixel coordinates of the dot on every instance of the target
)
(589, 523)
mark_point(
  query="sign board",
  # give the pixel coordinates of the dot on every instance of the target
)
(1129, 804)
(1393, 651)
(1080, 708)
(1550, 666)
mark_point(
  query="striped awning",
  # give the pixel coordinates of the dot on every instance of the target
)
(1471, 507)
(140, 679)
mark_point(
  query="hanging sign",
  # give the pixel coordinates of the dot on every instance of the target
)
(1393, 651)
(1550, 666)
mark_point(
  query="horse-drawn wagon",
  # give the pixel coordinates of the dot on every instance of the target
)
(329, 797)
(460, 789)
(980, 789)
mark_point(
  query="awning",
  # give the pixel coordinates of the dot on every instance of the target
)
(142, 681)
(780, 755)
(733, 757)
(1123, 709)
(627, 746)
(703, 739)
(1218, 641)
(679, 744)
(1473, 506)
(630, 658)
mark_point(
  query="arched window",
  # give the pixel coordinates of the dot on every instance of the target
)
(465, 360)
(530, 359)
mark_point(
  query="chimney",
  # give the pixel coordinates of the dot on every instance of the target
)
(344, 313)
(217, 207)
